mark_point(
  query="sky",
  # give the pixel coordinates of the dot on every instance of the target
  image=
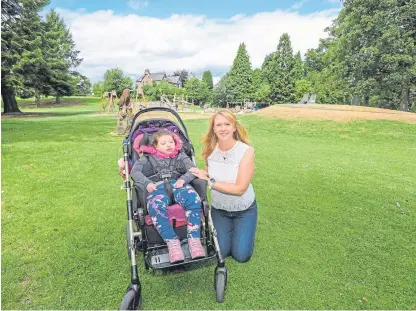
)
(167, 35)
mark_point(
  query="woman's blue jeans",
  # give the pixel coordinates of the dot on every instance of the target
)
(236, 231)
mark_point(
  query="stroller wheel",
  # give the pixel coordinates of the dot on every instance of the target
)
(220, 282)
(132, 300)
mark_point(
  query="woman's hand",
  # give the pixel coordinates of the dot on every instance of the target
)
(122, 173)
(151, 187)
(201, 174)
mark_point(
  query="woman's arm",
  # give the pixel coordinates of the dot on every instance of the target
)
(244, 176)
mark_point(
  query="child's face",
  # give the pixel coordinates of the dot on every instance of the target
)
(165, 144)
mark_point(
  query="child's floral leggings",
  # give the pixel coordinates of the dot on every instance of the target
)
(187, 197)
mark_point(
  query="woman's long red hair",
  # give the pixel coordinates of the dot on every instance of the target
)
(210, 139)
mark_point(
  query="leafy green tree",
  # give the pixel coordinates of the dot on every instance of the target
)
(207, 77)
(82, 85)
(298, 72)
(278, 71)
(150, 91)
(282, 87)
(98, 88)
(36, 56)
(262, 93)
(21, 49)
(184, 74)
(239, 76)
(326, 74)
(268, 68)
(376, 41)
(220, 93)
(163, 88)
(302, 87)
(60, 56)
(197, 91)
(261, 89)
(114, 79)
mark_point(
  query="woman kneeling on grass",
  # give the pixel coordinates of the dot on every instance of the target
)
(229, 170)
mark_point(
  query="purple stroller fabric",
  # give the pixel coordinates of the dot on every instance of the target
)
(152, 129)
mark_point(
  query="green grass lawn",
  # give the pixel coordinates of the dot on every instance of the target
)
(336, 226)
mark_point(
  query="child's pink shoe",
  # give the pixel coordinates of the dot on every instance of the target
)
(175, 250)
(196, 249)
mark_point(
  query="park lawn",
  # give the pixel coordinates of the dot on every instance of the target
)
(73, 105)
(336, 226)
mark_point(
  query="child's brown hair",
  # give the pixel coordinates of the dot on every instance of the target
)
(159, 134)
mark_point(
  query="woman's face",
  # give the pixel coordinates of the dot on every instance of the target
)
(223, 128)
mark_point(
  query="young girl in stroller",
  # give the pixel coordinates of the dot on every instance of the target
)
(171, 181)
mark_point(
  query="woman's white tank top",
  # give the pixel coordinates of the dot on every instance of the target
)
(223, 167)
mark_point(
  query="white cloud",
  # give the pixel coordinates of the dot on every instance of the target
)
(137, 4)
(298, 5)
(134, 43)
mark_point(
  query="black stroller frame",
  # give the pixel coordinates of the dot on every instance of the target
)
(155, 255)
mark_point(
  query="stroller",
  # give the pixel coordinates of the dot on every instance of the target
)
(141, 234)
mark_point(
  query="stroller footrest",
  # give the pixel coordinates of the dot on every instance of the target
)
(160, 258)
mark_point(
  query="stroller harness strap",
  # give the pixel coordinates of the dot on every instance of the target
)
(164, 171)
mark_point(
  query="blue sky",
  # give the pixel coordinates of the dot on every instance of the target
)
(167, 35)
(212, 8)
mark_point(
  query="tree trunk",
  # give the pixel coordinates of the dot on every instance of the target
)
(58, 99)
(9, 101)
(37, 99)
(404, 99)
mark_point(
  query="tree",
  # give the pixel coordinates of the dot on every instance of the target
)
(376, 41)
(240, 75)
(302, 87)
(114, 79)
(98, 88)
(36, 56)
(220, 93)
(184, 74)
(298, 72)
(60, 56)
(81, 85)
(261, 89)
(197, 91)
(21, 54)
(207, 77)
(282, 86)
(327, 76)
(262, 94)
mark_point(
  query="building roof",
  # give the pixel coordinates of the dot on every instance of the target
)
(174, 79)
(156, 76)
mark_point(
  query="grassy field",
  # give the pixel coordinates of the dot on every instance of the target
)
(336, 226)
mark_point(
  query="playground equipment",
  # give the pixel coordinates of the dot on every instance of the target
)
(305, 100)
(178, 103)
(244, 106)
(107, 101)
(312, 99)
(125, 113)
(139, 105)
